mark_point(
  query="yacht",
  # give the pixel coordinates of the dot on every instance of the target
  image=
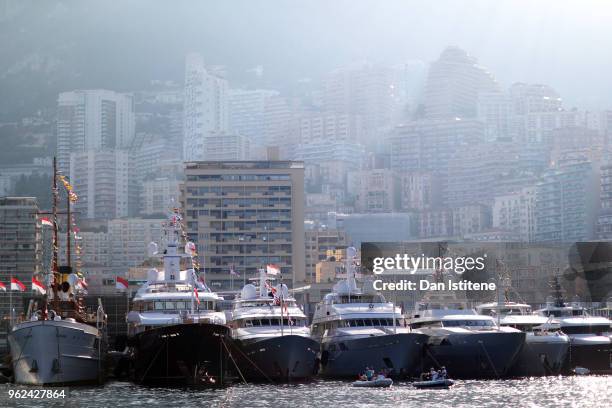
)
(176, 330)
(469, 345)
(60, 341)
(358, 328)
(272, 335)
(546, 347)
(590, 337)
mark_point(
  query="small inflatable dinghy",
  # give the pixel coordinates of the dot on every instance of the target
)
(382, 382)
(442, 383)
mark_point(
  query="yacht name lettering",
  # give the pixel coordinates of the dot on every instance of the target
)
(424, 284)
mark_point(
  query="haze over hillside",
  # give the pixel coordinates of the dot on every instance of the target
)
(53, 46)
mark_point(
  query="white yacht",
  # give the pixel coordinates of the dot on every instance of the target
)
(272, 334)
(546, 347)
(590, 337)
(176, 329)
(469, 345)
(359, 328)
(60, 342)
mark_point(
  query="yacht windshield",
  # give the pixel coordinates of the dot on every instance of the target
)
(374, 298)
(468, 323)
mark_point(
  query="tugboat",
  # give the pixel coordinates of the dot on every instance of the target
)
(359, 328)
(60, 342)
(176, 330)
(590, 337)
(272, 334)
(546, 347)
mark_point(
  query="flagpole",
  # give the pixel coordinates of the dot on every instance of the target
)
(11, 302)
(282, 301)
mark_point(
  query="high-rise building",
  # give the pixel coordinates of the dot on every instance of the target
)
(600, 121)
(604, 221)
(494, 109)
(129, 239)
(223, 146)
(376, 190)
(246, 113)
(516, 212)
(567, 203)
(331, 127)
(282, 124)
(327, 163)
(419, 191)
(576, 142)
(364, 90)
(453, 84)
(92, 120)
(470, 219)
(454, 222)
(538, 110)
(205, 106)
(155, 157)
(536, 127)
(428, 145)
(437, 222)
(159, 195)
(245, 215)
(101, 179)
(479, 172)
(534, 98)
(20, 255)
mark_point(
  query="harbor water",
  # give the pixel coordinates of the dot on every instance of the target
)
(575, 391)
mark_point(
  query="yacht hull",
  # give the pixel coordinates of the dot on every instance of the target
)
(594, 355)
(474, 355)
(49, 352)
(280, 359)
(540, 358)
(183, 355)
(400, 354)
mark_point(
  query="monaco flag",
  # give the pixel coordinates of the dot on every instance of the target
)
(122, 284)
(17, 285)
(273, 269)
(38, 286)
(2, 287)
(46, 222)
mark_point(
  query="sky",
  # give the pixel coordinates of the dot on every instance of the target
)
(124, 44)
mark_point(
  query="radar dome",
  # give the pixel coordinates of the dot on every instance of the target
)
(249, 291)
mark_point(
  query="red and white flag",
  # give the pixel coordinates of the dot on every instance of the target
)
(17, 285)
(2, 287)
(37, 286)
(46, 222)
(272, 269)
(122, 284)
(195, 290)
(82, 283)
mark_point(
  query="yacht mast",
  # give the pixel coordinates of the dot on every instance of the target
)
(54, 260)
